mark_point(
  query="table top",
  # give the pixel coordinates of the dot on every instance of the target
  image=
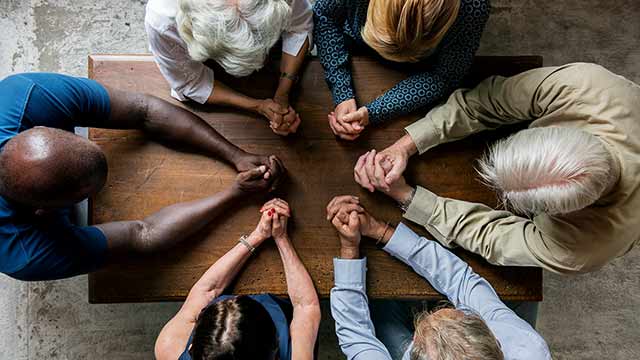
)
(145, 176)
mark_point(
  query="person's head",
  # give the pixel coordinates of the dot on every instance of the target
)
(408, 30)
(548, 170)
(237, 34)
(450, 334)
(44, 167)
(236, 328)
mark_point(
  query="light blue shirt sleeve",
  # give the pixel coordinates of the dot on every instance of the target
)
(350, 310)
(465, 289)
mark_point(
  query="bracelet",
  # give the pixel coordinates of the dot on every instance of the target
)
(386, 227)
(243, 241)
(292, 77)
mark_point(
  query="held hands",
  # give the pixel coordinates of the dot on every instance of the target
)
(278, 213)
(283, 119)
(352, 221)
(347, 121)
(273, 222)
(264, 174)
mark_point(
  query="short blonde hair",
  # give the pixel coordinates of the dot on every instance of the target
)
(236, 34)
(467, 337)
(408, 30)
(551, 170)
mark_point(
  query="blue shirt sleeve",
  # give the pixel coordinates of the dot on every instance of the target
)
(454, 278)
(329, 18)
(64, 102)
(452, 61)
(350, 310)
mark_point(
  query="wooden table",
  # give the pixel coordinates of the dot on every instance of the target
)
(145, 176)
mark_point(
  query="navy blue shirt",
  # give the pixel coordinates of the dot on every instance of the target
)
(48, 246)
(337, 29)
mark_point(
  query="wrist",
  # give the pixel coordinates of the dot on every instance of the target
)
(255, 105)
(402, 194)
(237, 156)
(349, 252)
(406, 145)
(377, 229)
(255, 239)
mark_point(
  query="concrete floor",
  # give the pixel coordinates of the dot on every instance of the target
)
(593, 316)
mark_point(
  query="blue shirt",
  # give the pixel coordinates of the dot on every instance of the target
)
(449, 275)
(338, 26)
(49, 246)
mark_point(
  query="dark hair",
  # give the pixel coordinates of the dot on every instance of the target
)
(234, 329)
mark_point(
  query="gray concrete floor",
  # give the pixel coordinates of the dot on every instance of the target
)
(593, 316)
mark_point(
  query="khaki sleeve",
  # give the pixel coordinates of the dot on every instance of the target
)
(494, 102)
(499, 236)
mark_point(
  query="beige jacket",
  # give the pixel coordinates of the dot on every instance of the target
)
(583, 96)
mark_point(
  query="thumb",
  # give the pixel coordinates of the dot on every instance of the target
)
(257, 172)
(354, 221)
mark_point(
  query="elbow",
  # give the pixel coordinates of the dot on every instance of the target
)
(141, 236)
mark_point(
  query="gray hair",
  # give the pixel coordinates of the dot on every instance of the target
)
(237, 34)
(445, 338)
(548, 170)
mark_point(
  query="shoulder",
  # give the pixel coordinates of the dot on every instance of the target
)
(520, 341)
(160, 15)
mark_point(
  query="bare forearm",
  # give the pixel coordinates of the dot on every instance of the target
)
(176, 125)
(299, 284)
(226, 96)
(291, 66)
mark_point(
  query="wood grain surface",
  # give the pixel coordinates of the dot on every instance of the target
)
(145, 176)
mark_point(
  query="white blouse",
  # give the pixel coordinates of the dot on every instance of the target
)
(193, 80)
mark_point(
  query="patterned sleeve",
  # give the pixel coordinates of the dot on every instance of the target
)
(452, 62)
(329, 16)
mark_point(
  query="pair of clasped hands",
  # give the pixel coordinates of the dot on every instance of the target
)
(348, 121)
(283, 119)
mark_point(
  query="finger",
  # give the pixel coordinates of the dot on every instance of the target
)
(369, 168)
(294, 126)
(349, 136)
(331, 120)
(351, 208)
(256, 172)
(336, 223)
(365, 182)
(356, 173)
(334, 205)
(343, 216)
(338, 126)
(354, 222)
(379, 173)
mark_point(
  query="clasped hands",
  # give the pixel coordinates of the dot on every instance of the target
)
(283, 119)
(272, 224)
(258, 173)
(348, 121)
(352, 221)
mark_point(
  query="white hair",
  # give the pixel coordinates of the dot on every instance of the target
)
(237, 34)
(548, 170)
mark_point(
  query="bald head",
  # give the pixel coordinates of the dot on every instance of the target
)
(46, 167)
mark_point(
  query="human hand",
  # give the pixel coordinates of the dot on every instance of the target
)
(281, 213)
(340, 128)
(264, 228)
(370, 172)
(278, 210)
(271, 110)
(343, 213)
(252, 181)
(289, 124)
(397, 155)
(358, 119)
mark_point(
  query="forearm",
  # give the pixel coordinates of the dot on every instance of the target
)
(176, 125)
(299, 284)
(226, 96)
(223, 271)
(290, 66)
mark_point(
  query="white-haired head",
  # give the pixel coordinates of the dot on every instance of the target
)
(548, 170)
(237, 34)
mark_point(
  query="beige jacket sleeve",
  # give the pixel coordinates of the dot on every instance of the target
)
(499, 236)
(494, 102)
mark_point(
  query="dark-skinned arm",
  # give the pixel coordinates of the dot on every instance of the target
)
(173, 224)
(172, 124)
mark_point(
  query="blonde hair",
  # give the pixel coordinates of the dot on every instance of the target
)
(408, 30)
(548, 170)
(445, 338)
(236, 34)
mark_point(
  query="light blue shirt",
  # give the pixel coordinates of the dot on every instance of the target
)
(449, 275)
